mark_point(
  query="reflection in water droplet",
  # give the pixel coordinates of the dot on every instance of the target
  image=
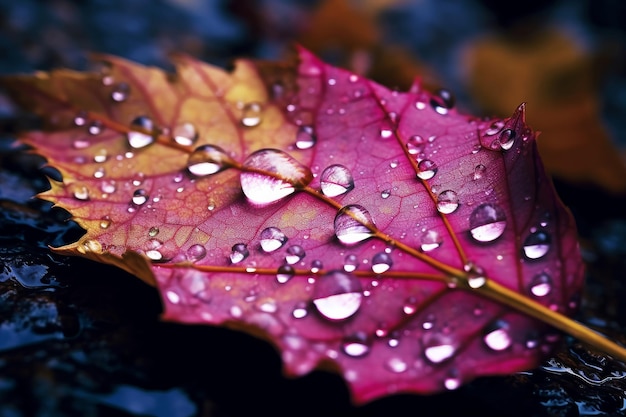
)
(95, 128)
(507, 139)
(80, 192)
(426, 169)
(350, 263)
(536, 245)
(541, 285)
(305, 138)
(396, 365)
(337, 295)
(80, 144)
(439, 352)
(415, 145)
(295, 253)
(300, 311)
(105, 222)
(430, 240)
(356, 345)
(352, 224)
(108, 187)
(316, 266)
(143, 135)
(153, 231)
(207, 160)
(272, 239)
(80, 119)
(497, 336)
(336, 180)
(494, 128)
(251, 114)
(487, 222)
(479, 171)
(140, 196)
(269, 175)
(381, 262)
(120, 92)
(452, 383)
(385, 194)
(442, 102)
(238, 253)
(185, 134)
(284, 273)
(196, 252)
(447, 202)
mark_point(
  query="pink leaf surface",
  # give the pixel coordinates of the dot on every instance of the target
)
(352, 226)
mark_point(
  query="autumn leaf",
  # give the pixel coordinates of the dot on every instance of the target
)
(377, 233)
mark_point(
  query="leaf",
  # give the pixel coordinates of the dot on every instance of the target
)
(376, 233)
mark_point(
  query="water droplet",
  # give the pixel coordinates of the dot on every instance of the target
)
(350, 263)
(269, 175)
(426, 169)
(487, 222)
(105, 222)
(497, 336)
(429, 322)
(381, 262)
(442, 102)
(305, 138)
(251, 114)
(479, 171)
(207, 160)
(536, 245)
(337, 295)
(272, 239)
(80, 192)
(385, 194)
(185, 134)
(351, 224)
(415, 145)
(120, 92)
(476, 281)
(239, 252)
(386, 133)
(396, 365)
(494, 128)
(452, 383)
(90, 245)
(300, 311)
(438, 352)
(236, 311)
(356, 345)
(541, 285)
(153, 231)
(507, 139)
(80, 144)
(196, 252)
(80, 119)
(108, 187)
(95, 128)
(284, 273)
(140, 196)
(316, 266)
(447, 202)
(143, 136)
(336, 180)
(430, 240)
(154, 254)
(295, 253)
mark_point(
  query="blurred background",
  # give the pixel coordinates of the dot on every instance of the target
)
(74, 341)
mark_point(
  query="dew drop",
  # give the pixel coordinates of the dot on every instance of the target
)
(442, 102)
(352, 224)
(80, 192)
(305, 138)
(541, 285)
(447, 202)
(284, 273)
(396, 365)
(196, 252)
(251, 114)
(80, 119)
(385, 194)
(143, 135)
(350, 263)
(487, 222)
(507, 139)
(336, 180)
(426, 169)
(154, 254)
(207, 160)
(393, 164)
(452, 383)
(108, 187)
(120, 92)
(381, 262)
(105, 222)
(153, 231)
(316, 266)
(272, 239)
(90, 245)
(536, 245)
(95, 128)
(494, 128)
(140, 196)
(479, 172)
(476, 281)
(497, 336)
(337, 295)
(295, 253)
(439, 352)
(415, 145)
(386, 133)
(300, 311)
(356, 345)
(185, 134)
(80, 144)
(269, 175)
(238, 253)
(431, 240)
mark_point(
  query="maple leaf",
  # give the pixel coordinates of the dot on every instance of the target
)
(377, 233)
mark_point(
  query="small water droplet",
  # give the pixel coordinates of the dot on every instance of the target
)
(385, 194)
(239, 252)
(80, 192)
(494, 128)
(452, 383)
(272, 239)
(438, 352)
(95, 128)
(207, 160)
(143, 135)
(337, 295)
(300, 311)
(236, 312)
(536, 245)
(140, 196)
(479, 171)
(80, 144)
(350, 263)
(185, 134)
(269, 175)
(154, 254)
(386, 133)
(105, 222)
(90, 245)
(295, 253)
(410, 306)
(251, 114)
(426, 169)
(316, 266)
(415, 145)
(108, 187)
(352, 224)
(429, 322)
(541, 285)
(396, 365)
(80, 119)
(153, 231)
(442, 102)
(476, 281)
(507, 139)
(357, 345)
(487, 222)
(305, 138)
(336, 180)
(196, 252)
(447, 202)
(284, 273)
(381, 262)
(99, 173)
(120, 92)
(497, 336)
(431, 240)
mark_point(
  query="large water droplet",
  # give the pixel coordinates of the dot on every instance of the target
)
(272, 239)
(357, 345)
(207, 160)
(430, 240)
(305, 138)
(144, 135)
(487, 222)
(269, 175)
(238, 253)
(350, 263)
(251, 114)
(536, 245)
(284, 273)
(541, 285)
(507, 139)
(438, 352)
(140, 196)
(294, 254)
(337, 295)
(351, 224)
(381, 262)
(336, 180)
(196, 252)
(426, 169)
(447, 202)
(185, 134)
(415, 145)
(497, 336)
(120, 92)
(442, 102)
